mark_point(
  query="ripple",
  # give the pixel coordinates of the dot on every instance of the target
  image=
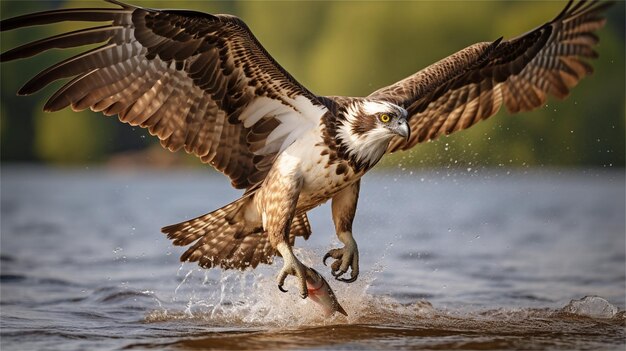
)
(6, 258)
(16, 278)
(526, 296)
(412, 296)
(116, 295)
(407, 326)
(38, 228)
(12, 278)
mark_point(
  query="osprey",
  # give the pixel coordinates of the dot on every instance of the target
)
(204, 83)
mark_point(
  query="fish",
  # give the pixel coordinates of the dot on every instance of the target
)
(321, 293)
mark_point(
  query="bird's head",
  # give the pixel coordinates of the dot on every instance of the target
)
(368, 127)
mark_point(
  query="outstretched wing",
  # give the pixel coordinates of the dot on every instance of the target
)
(197, 81)
(472, 84)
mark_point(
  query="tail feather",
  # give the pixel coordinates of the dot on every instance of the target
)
(254, 249)
(299, 227)
(223, 239)
(187, 232)
(263, 249)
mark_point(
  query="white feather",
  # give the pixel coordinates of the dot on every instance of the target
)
(296, 117)
(373, 107)
(287, 125)
(258, 109)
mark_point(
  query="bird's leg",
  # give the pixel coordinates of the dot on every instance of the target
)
(347, 257)
(278, 199)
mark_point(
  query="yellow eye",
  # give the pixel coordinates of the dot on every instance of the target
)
(384, 118)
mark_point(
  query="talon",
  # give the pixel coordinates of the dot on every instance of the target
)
(338, 274)
(280, 287)
(327, 256)
(349, 280)
(346, 259)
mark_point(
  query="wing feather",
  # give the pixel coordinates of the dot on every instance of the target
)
(196, 81)
(472, 84)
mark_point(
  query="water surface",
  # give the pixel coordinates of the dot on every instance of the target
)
(449, 260)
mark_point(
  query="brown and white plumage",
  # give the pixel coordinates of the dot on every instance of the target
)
(472, 84)
(204, 83)
(186, 76)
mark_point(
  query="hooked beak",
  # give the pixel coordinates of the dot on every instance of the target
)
(404, 130)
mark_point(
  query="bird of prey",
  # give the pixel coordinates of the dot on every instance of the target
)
(204, 83)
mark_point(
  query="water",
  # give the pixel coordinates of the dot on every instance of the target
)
(487, 260)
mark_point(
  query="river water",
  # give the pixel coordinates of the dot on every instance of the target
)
(450, 260)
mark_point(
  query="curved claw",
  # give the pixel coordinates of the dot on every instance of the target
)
(280, 287)
(327, 256)
(349, 280)
(338, 274)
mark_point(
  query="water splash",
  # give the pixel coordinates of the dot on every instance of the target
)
(252, 298)
(591, 306)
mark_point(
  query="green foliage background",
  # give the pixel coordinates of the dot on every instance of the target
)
(351, 48)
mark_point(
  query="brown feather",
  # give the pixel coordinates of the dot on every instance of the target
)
(454, 93)
(54, 16)
(185, 76)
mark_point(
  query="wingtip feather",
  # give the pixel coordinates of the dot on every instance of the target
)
(55, 16)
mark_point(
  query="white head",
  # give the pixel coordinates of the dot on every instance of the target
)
(369, 126)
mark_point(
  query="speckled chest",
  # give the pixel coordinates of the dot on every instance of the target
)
(324, 174)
